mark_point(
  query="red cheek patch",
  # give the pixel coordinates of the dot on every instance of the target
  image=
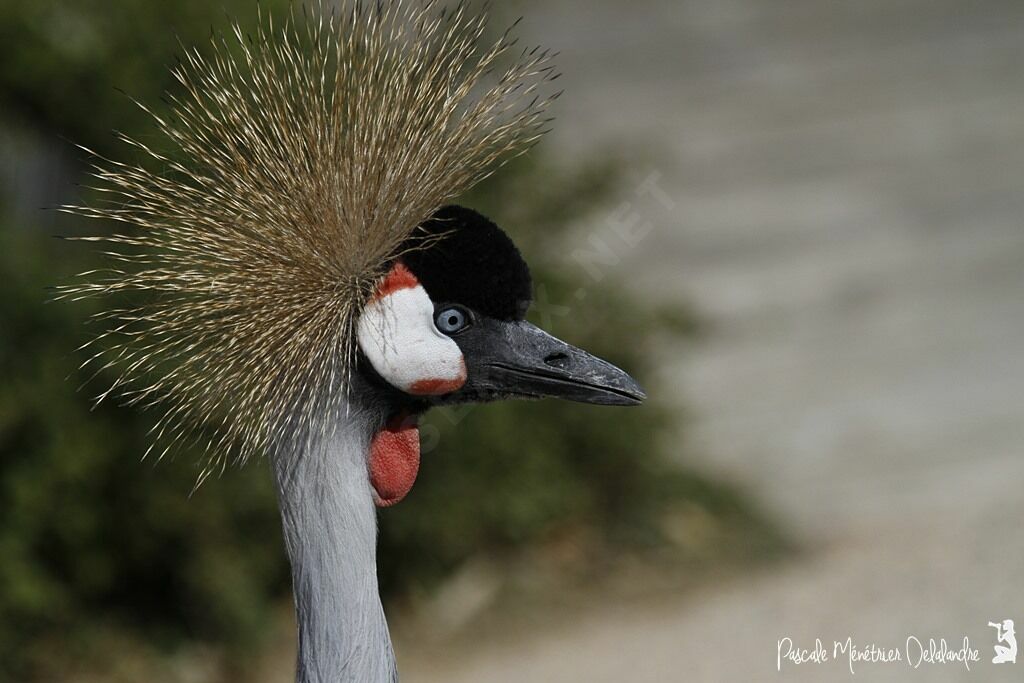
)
(399, 277)
(394, 460)
(437, 387)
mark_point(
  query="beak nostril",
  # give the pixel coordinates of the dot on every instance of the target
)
(556, 359)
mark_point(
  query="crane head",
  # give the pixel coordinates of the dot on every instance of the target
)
(447, 325)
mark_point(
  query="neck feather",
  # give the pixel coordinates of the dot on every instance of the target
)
(330, 530)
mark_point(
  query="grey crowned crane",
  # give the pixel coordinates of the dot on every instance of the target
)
(294, 283)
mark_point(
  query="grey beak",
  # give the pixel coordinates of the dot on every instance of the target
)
(519, 359)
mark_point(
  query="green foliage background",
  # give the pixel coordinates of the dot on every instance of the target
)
(98, 548)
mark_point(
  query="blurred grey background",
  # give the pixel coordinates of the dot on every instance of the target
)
(849, 189)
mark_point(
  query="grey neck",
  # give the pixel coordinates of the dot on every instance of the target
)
(330, 530)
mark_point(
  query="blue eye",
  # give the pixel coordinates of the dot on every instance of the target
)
(451, 319)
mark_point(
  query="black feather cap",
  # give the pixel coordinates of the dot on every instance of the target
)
(470, 261)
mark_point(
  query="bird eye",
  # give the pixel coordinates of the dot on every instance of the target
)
(451, 319)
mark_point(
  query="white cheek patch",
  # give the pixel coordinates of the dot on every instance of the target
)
(396, 332)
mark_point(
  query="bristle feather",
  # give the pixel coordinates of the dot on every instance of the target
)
(304, 157)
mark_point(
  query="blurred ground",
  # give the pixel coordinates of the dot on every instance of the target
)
(848, 183)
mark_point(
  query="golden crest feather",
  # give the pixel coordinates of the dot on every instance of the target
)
(300, 159)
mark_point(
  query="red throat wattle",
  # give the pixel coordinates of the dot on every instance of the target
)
(394, 459)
